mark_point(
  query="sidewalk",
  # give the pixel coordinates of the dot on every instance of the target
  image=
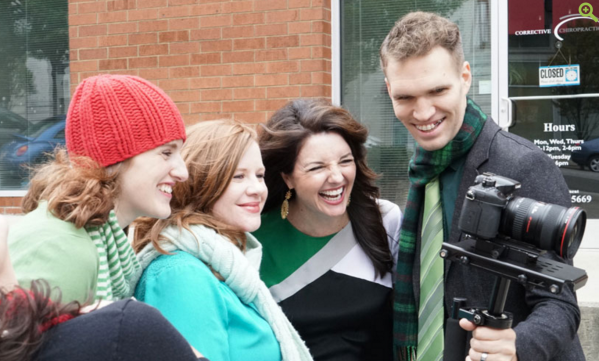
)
(588, 299)
(588, 259)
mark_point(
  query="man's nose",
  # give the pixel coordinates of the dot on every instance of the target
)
(424, 110)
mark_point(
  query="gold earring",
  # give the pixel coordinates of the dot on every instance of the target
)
(285, 205)
(348, 200)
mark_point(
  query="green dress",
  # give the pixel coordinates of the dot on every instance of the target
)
(328, 287)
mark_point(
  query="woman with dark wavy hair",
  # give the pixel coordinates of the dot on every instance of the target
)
(329, 242)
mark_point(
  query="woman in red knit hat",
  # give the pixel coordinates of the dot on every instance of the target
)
(123, 140)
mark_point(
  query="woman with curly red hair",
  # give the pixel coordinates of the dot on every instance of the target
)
(123, 140)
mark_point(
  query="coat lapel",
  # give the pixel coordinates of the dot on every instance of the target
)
(478, 155)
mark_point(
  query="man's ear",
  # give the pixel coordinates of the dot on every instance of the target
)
(466, 75)
(288, 180)
(388, 87)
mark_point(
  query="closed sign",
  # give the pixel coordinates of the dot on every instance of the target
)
(561, 75)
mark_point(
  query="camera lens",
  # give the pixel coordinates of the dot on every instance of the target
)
(546, 226)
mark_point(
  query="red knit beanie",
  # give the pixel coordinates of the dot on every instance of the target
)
(115, 117)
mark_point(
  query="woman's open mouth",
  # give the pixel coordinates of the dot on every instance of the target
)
(333, 196)
(166, 189)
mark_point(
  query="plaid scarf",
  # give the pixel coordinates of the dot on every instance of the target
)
(119, 269)
(424, 166)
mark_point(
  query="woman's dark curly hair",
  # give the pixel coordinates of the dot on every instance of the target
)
(280, 143)
(25, 315)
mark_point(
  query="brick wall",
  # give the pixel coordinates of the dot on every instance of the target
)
(10, 205)
(215, 58)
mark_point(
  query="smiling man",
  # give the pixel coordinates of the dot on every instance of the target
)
(428, 80)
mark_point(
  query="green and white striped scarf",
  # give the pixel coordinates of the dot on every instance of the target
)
(119, 269)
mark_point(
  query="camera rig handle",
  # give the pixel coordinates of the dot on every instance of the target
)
(508, 262)
(494, 316)
(457, 339)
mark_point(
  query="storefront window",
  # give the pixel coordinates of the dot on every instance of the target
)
(364, 25)
(553, 83)
(34, 85)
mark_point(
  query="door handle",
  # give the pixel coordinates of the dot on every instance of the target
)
(505, 115)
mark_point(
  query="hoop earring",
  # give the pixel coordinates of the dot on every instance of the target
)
(285, 205)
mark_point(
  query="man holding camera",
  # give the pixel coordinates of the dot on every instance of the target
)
(428, 80)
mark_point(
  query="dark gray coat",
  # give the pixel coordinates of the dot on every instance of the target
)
(546, 324)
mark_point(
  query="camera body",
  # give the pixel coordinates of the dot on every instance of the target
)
(484, 204)
(490, 210)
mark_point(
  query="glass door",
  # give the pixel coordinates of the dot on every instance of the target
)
(363, 27)
(548, 90)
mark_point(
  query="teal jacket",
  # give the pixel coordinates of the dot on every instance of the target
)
(206, 311)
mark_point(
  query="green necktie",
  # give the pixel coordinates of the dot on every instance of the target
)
(430, 312)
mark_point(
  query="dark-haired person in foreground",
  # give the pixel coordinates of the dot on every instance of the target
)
(329, 243)
(427, 80)
(33, 327)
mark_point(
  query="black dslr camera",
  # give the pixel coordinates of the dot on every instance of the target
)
(491, 210)
(506, 235)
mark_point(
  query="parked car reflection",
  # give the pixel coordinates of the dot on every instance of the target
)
(33, 146)
(588, 155)
(11, 123)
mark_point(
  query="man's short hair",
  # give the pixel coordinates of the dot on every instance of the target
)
(417, 33)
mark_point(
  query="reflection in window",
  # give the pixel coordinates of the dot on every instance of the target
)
(562, 119)
(364, 25)
(34, 83)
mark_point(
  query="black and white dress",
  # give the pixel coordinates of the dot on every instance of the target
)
(329, 290)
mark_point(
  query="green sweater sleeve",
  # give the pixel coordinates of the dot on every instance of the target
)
(44, 247)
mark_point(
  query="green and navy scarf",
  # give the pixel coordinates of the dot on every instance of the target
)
(424, 166)
(118, 270)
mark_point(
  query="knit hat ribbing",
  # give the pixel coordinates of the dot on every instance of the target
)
(112, 118)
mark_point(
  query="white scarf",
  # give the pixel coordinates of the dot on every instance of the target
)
(240, 273)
